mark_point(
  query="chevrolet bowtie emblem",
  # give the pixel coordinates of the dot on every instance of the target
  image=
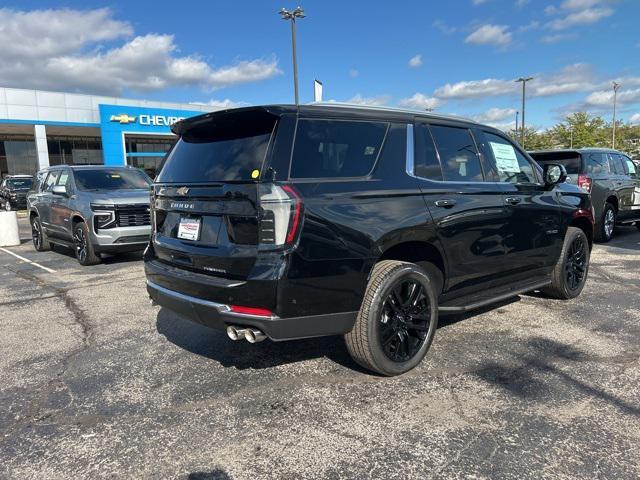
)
(182, 191)
(122, 118)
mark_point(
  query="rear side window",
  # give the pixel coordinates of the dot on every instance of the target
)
(458, 154)
(511, 165)
(336, 148)
(597, 163)
(616, 164)
(51, 180)
(631, 167)
(571, 161)
(426, 163)
(226, 148)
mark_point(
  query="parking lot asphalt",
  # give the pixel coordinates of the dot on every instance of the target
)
(95, 382)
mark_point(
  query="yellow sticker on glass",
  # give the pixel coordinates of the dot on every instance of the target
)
(115, 175)
(255, 174)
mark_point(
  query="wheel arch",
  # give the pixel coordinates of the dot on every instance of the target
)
(613, 200)
(420, 252)
(586, 226)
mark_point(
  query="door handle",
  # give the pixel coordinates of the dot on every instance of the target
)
(445, 203)
(513, 200)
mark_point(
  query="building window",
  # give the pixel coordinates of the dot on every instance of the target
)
(18, 155)
(74, 150)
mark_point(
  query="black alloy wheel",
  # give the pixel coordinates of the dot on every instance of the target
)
(576, 263)
(81, 243)
(405, 321)
(36, 234)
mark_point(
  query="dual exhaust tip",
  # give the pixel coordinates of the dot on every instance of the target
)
(251, 335)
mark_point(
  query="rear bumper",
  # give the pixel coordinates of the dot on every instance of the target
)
(219, 316)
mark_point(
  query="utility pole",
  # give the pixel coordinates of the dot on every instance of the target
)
(616, 87)
(524, 81)
(287, 15)
(517, 112)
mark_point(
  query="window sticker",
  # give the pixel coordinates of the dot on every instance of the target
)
(505, 156)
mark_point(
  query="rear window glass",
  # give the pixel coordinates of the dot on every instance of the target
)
(426, 160)
(111, 179)
(570, 161)
(230, 148)
(335, 148)
(616, 161)
(20, 183)
(458, 154)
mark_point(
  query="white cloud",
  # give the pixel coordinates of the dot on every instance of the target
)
(558, 37)
(222, 104)
(478, 2)
(578, 77)
(376, 101)
(64, 50)
(475, 89)
(581, 17)
(353, 73)
(415, 61)
(605, 97)
(444, 27)
(490, 35)
(579, 4)
(635, 119)
(521, 3)
(495, 115)
(420, 101)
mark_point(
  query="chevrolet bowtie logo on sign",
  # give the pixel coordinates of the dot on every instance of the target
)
(122, 118)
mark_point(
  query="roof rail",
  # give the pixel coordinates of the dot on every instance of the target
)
(414, 111)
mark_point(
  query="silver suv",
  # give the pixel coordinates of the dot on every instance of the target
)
(91, 209)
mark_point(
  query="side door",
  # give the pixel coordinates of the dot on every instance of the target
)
(534, 233)
(635, 197)
(45, 198)
(60, 211)
(468, 212)
(624, 187)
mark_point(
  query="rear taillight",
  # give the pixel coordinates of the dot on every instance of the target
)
(281, 215)
(585, 182)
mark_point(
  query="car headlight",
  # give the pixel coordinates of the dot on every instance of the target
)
(104, 216)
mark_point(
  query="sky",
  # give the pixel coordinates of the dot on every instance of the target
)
(458, 56)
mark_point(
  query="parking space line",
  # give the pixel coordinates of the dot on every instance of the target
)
(46, 269)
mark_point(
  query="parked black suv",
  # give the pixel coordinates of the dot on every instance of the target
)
(611, 178)
(13, 192)
(287, 222)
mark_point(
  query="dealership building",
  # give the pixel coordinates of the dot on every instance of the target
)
(40, 128)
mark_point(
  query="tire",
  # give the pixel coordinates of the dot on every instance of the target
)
(607, 223)
(38, 236)
(85, 253)
(406, 290)
(570, 273)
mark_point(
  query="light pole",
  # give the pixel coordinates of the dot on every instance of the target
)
(287, 15)
(517, 112)
(616, 87)
(524, 81)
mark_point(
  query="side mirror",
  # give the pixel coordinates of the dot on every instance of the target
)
(60, 190)
(553, 174)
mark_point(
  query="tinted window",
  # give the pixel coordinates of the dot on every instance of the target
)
(597, 163)
(426, 160)
(571, 161)
(616, 163)
(229, 148)
(63, 180)
(334, 148)
(20, 183)
(111, 179)
(510, 164)
(458, 154)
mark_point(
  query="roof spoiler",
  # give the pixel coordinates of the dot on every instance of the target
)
(230, 114)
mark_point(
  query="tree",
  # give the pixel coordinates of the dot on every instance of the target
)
(580, 130)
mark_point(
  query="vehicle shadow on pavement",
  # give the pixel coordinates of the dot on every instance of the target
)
(624, 237)
(106, 258)
(241, 354)
(541, 373)
(216, 474)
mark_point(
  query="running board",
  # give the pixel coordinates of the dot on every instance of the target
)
(487, 299)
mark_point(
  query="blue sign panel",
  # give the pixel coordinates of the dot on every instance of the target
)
(116, 121)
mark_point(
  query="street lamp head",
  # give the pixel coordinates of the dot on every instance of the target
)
(523, 79)
(287, 15)
(616, 86)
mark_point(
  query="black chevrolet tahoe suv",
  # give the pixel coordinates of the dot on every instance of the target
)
(287, 222)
